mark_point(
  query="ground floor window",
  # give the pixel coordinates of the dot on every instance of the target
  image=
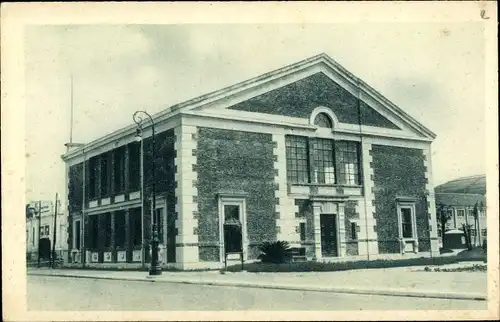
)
(406, 220)
(120, 229)
(93, 231)
(136, 226)
(106, 226)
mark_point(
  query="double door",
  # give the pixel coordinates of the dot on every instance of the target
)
(328, 235)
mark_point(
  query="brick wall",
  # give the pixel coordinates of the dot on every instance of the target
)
(398, 172)
(238, 161)
(299, 99)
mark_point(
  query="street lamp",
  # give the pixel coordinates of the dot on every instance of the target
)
(138, 117)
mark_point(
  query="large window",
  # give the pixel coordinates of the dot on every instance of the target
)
(106, 226)
(134, 166)
(119, 169)
(347, 162)
(136, 226)
(120, 233)
(327, 162)
(324, 170)
(93, 232)
(93, 172)
(297, 159)
(105, 175)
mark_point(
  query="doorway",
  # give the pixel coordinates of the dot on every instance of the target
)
(328, 235)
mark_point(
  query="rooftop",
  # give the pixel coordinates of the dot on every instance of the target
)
(465, 185)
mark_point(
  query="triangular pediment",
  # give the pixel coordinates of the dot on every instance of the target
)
(294, 91)
(300, 98)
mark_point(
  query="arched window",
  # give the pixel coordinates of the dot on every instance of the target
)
(322, 120)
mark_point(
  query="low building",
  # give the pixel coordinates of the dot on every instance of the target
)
(308, 154)
(459, 197)
(40, 229)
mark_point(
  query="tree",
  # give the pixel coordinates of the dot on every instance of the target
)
(475, 213)
(443, 217)
(466, 229)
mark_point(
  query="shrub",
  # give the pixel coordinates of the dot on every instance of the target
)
(445, 250)
(484, 245)
(276, 252)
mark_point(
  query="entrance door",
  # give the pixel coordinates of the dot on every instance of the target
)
(328, 235)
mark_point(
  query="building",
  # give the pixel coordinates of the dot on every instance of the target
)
(459, 197)
(41, 228)
(308, 153)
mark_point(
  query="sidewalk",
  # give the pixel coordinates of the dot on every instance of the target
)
(407, 281)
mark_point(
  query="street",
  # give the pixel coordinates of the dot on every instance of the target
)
(80, 294)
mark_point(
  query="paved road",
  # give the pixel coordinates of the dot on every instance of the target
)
(63, 293)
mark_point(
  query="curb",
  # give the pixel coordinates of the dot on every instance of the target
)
(291, 287)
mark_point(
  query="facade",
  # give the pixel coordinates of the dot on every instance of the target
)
(459, 198)
(38, 230)
(307, 154)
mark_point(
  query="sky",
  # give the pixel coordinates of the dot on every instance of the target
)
(435, 72)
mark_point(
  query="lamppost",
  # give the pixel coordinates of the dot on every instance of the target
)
(138, 117)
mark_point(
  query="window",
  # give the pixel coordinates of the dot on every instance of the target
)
(135, 166)
(136, 226)
(354, 230)
(93, 172)
(324, 170)
(483, 232)
(93, 232)
(120, 232)
(347, 162)
(119, 170)
(297, 159)
(461, 213)
(106, 226)
(322, 120)
(76, 239)
(473, 232)
(104, 175)
(406, 219)
(329, 162)
(47, 230)
(33, 241)
(302, 231)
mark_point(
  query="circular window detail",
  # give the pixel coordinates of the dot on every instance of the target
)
(322, 120)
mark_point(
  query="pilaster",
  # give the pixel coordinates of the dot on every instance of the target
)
(369, 224)
(285, 208)
(431, 201)
(317, 230)
(186, 193)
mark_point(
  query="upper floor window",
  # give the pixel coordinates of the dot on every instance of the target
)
(324, 170)
(297, 159)
(322, 120)
(134, 166)
(119, 170)
(461, 213)
(93, 173)
(322, 161)
(348, 162)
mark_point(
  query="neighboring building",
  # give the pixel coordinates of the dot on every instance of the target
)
(307, 153)
(38, 230)
(459, 196)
